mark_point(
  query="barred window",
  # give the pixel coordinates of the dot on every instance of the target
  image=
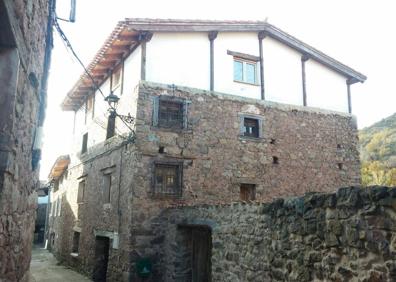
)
(170, 114)
(167, 180)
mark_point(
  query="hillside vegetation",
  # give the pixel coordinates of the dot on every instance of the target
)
(378, 152)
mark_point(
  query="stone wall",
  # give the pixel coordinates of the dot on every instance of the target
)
(349, 235)
(316, 151)
(25, 46)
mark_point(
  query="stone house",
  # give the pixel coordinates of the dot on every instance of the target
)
(25, 49)
(222, 111)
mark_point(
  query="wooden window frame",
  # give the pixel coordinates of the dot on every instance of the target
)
(84, 145)
(107, 183)
(76, 242)
(81, 191)
(177, 192)
(252, 191)
(111, 125)
(119, 69)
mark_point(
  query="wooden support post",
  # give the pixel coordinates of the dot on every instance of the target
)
(304, 58)
(348, 83)
(212, 36)
(143, 38)
(261, 36)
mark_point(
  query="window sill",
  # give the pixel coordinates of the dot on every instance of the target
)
(249, 138)
(171, 129)
(75, 255)
(248, 83)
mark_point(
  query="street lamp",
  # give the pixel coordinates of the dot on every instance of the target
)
(113, 99)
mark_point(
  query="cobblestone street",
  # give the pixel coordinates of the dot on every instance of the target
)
(44, 268)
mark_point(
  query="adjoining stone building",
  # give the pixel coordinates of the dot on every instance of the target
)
(25, 48)
(222, 111)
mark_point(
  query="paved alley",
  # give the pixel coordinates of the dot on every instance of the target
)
(44, 268)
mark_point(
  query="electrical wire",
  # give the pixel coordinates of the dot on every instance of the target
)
(70, 47)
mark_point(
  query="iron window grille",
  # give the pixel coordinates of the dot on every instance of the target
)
(167, 180)
(170, 112)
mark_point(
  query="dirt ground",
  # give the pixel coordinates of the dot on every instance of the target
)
(44, 268)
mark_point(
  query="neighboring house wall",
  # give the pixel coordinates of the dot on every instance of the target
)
(25, 45)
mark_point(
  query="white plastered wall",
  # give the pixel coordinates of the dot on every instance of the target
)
(282, 73)
(178, 58)
(242, 42)
(96, 125)
(326, 89)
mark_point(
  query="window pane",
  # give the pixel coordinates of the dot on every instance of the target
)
(238, 70)
(170, 114)
(251, 127)
(250, 73)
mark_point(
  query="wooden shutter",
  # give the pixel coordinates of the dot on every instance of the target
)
(155, 110)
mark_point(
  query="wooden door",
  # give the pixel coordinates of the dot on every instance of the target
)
(201, 254)
(101, 259)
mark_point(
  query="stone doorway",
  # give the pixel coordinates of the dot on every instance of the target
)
(195, 253)
(102, 245)
(201, 254)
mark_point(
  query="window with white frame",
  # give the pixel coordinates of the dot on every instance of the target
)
(245, 67)
(245, 71)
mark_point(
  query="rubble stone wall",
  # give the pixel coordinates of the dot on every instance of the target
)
(349, 235)
(22, 56)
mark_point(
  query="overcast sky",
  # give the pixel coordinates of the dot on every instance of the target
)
(357, 33)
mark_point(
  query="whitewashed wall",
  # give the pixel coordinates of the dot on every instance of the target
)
(179, 58)
(282, 73)
(96, 125)
(325, 88)
(246, 42)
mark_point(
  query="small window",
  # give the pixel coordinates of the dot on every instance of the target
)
(84, 146)
(81, 192)
(170, 114)
(106, 188)
(89, 107)
(116, 79)
(251, 126)
(167, 180)
(245, 71)
(247, 192)
(111, 125)
(76, 242)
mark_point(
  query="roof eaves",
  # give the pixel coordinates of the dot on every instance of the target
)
(315, 54)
